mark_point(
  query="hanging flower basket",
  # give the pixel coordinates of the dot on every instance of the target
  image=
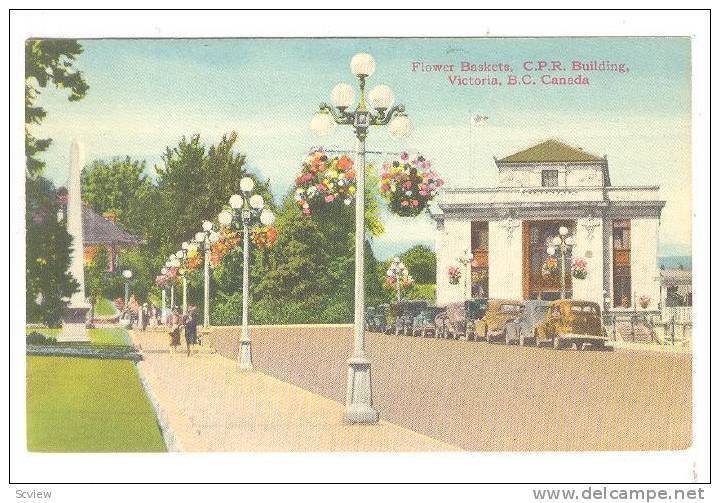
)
(578, 268)
(454, 275)
(324, 181)
(263, 237)
(549, 267)
(644, 301)
(409, 185)
(227, 242)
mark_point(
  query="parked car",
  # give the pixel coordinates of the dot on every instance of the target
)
(498, 314)
(408, 311)
(369, 317)
(424, 322)
(522, 329)
(376, 322)
(570, 322)
(459, 319)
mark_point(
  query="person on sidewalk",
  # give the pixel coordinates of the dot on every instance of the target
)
(190, 330)
(175, 329)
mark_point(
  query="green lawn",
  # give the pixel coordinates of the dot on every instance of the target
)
(88, 405)
(102, 336)
(104, 307)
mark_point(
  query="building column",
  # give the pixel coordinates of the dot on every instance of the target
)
(643, 260)
(589, 242)
(505, 256)
(451, 242)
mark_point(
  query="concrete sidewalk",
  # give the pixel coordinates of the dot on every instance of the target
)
(208, 405)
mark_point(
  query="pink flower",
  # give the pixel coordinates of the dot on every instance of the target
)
(415, 202)
(306, 211)
(407, 185)
(404, 203)
(423, 193)
(329, 198)
(404, 156)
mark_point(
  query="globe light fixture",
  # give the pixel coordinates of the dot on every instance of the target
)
(127, 273)
(214, 237)
(550, 250)
(557, 241)
(400, 126)
(207, 225)
(563, 231)
(185, 245)
(199, 237)
(163, 271)
(381, 97)
(236, 200)
(322, 123)
(342, 95)
(225, 218)
(247, 184)
(257, 201)
(362, 65)
(267, 217)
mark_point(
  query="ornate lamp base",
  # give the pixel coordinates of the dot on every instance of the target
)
(245, 355)
(359, 395)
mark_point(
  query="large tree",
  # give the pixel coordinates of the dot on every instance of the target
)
(48, 245)
(117, 186)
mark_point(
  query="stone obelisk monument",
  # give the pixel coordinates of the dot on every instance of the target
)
(75, 316)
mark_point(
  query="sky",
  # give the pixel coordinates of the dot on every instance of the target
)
(146, 94)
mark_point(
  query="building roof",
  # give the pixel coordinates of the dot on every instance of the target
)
(98, 230)
(551, 151)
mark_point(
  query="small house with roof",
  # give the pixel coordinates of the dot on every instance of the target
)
(500, 235)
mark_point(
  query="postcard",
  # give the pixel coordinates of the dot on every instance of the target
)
(359, 245)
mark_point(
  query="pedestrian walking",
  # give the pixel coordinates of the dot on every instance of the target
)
(190, 330)
(175, 329)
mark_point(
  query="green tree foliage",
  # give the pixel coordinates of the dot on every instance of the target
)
(48, 250)
(48, 62)
(117, 186)
(420, 262)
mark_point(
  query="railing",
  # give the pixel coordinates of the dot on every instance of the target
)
(678, 314)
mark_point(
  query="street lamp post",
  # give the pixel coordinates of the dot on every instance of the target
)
(180, 256)
(397, 271)
(249, 209)
(127, 274)
(163, 311)
(564, 243)
(207, 237)
(359, 391)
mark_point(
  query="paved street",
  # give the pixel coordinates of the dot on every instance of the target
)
(211, 406)
(491, 397)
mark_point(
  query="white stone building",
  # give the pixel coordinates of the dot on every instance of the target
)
(507, 229)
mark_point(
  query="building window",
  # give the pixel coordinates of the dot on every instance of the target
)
(622, 288)
(479, 268)
(549, 178)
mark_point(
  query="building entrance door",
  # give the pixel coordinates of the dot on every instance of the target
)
(544, 282)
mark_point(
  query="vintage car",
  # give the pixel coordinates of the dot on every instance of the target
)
(410, 310)
(570, 322)
(424, 322)
(399, 317)
(369, 318)
(521, 330)
(458, 320)
(498, 314)
(376, 322)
